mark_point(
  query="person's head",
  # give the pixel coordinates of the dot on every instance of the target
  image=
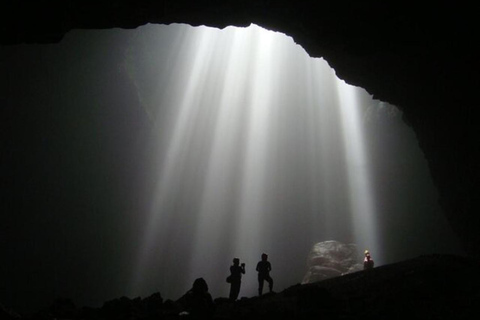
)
(200, 285)
(367, 254)
(264, 256)
(236, 261)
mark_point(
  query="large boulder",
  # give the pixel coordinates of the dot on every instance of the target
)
(330, 259)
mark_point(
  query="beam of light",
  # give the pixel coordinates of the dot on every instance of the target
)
(253, 181)
(185, 95)
(360, 190)
(229, 161)
(250, 159)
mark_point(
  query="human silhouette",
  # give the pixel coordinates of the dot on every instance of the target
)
(367, 261)
(264, 267)
(236, 271)
(198, 301)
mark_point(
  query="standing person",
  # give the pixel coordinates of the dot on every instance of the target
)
(236, 271)
(264, 267)
(368, 261)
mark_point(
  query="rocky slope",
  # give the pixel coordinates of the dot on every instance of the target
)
(427, 287)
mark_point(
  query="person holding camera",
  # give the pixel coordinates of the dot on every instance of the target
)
(235, 277)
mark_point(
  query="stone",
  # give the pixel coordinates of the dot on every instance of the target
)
(330, 259)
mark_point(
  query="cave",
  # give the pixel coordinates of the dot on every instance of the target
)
(422, 60)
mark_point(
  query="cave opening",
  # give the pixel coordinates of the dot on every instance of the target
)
(279, 154)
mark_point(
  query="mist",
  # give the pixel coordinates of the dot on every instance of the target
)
(135, 161)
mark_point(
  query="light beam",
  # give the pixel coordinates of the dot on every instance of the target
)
(250, 160)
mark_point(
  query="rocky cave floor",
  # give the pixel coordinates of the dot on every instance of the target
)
(427, 287)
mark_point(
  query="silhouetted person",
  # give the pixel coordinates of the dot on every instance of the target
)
(198, 301)
(236, 271)
(367, 262)
(264, 267)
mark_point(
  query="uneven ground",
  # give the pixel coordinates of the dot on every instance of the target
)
(427, 287)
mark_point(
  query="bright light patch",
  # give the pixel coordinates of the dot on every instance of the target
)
(358, 168)
(258, 149)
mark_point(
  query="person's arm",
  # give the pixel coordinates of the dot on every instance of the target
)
(243, 268)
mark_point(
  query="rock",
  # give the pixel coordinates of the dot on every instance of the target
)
(8, 314)
(137, 308)
(330, 259)
(63, 308)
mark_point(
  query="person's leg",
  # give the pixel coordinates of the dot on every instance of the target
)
(237, 291)
(260, 285)
(234, 290)
(270, 283)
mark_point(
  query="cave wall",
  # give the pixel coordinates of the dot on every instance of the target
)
(421, 59)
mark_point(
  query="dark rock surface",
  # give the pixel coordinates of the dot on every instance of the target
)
(8, 314)
(423, 59)
(426, 287)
